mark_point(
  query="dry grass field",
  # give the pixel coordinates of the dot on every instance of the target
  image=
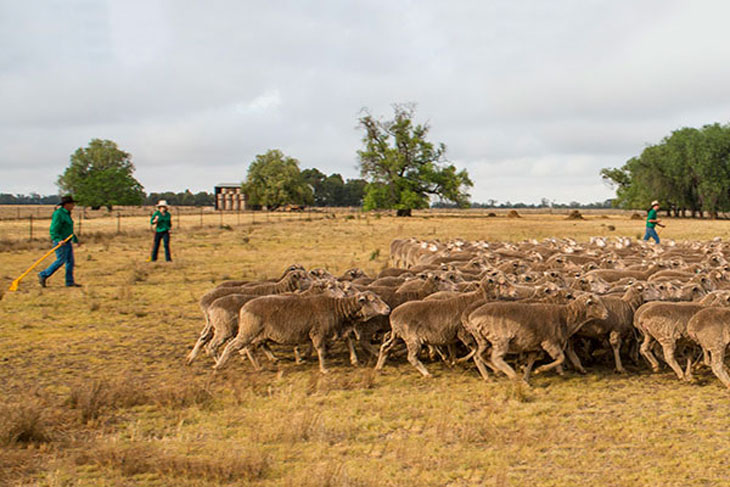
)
(94, 390)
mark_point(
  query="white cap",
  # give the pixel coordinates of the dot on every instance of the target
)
(653, 203)
(164, 203)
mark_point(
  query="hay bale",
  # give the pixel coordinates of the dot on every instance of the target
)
(636, 216)
(513, 214)
(575, 215)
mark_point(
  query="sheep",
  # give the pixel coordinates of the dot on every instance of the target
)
(612, 275)
(522, 327)
(434, 322)
(222, 316)
(352, 274)
(710, 328)
(291, 281)
(295, 320)
(665, 323)
(619, 322)
(370, 328)
(293, 267)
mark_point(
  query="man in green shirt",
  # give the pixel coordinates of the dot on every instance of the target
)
(62, 226)
(652, 221)
(162, 220)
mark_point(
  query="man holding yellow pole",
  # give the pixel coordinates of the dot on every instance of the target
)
(62, 227)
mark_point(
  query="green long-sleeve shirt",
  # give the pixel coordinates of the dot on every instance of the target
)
(164, 221)
(62, 225)
(651, 216)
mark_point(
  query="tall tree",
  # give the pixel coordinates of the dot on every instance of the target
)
(101, 175)
(687, 170)
(403, 169)
(274, 180)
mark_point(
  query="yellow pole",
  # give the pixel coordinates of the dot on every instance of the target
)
(14, 285)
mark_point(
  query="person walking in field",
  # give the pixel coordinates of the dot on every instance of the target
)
(652, 221)
(162, 221)
(62, 227)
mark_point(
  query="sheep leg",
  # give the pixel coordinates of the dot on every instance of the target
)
(531, 358)
(388, 344)
(300, 358)
(646, 352)
(477, 353)
(320, 346)
(668, 347)
(269, 353)
(439, 352)
(718, 366)
(205, 337)
(251, 358)
(353, 354)
(555, 352)
(413, 348)
(573, 357)
(220, 337)
(452, 354)
(706, 357)
(614, 339)
(233, 346)
(499, 350)
(365, 342)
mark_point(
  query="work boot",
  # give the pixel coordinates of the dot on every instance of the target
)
(42, 280)
(75, 284)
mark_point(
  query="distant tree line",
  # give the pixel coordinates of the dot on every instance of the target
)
(31, 199)
(544, 203)
(688, 171)
(184, 198)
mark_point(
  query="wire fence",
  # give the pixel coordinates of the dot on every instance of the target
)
(34, 222)
(28, 222)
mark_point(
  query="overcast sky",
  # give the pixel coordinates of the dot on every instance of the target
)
(533, 98)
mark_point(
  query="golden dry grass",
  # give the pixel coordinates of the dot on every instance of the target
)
(94, 379)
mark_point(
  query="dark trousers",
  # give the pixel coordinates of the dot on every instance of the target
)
(64, 255)
(165, 237)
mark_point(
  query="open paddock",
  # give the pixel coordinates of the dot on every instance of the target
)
(95, 377)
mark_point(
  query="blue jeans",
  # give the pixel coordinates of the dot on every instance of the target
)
(64, 255)
(165, 238)
(651, 233)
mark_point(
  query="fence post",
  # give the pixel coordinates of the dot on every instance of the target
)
(31, 226)
(221, 225)
(238, 216)
(119, 222)
(201, 217)
(179, 225)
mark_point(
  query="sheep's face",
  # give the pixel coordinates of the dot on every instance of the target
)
(371, 305)
(691, 292)
(594, 307)
(302, 280)
(650, 293)
(444, 284)
(354, 273)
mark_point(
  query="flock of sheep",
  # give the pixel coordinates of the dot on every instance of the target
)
(499, 304)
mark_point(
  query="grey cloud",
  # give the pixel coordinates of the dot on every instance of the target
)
(532, 98)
